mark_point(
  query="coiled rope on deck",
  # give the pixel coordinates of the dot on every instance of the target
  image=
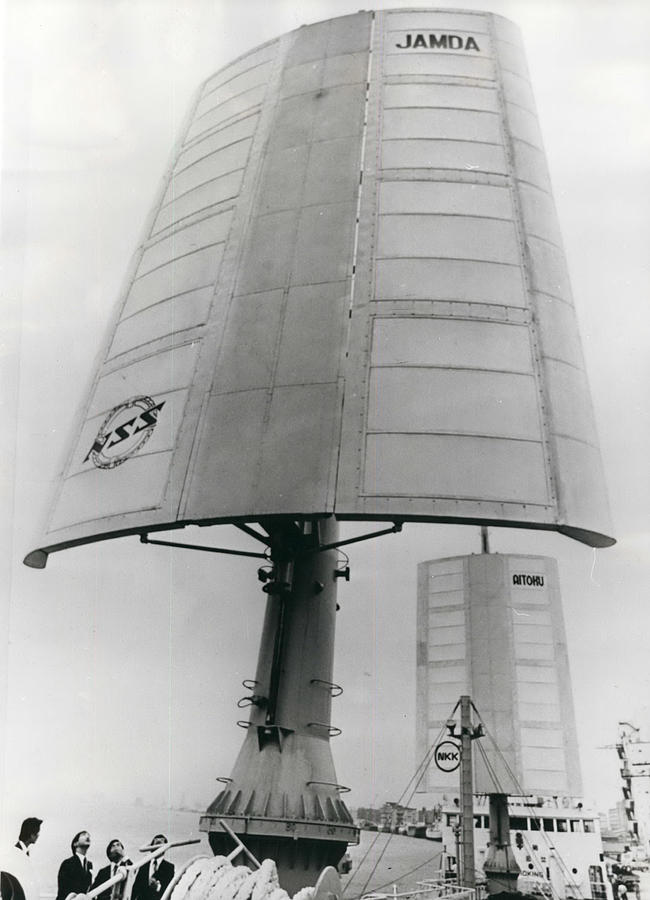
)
(218, 879)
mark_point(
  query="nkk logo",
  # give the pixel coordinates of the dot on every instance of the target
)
(122, 433)
(439, 42)
(447, 756)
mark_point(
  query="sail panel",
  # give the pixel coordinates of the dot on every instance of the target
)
(350, 298)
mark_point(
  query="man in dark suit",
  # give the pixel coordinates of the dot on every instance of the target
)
(153, 878)
(29, 832)
(115, 854)
(75, 872)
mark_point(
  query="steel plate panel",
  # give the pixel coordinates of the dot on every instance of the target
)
(548, 271)
(269, 252)
(517, 90)
(349, 34)
(248, 346)
(530, 165)
(423, 341)
(537, 674)
(245, 102)
(538, 211)
(294, 121)
(539, 712)
(506, 30)
(159, 373)
(512, 59)
(443, 154)
(219, 190)
(196, 270)
(542, 737)
(532, 634)
(446, 96)
(232, 88)
(523, 125)
(186, 240)
(437, 20)
(284, 177)
(550, 782)
(310, 43)
(544, 652)
(217, 140)
(246, 62)
(442, 619)
(347, 68)
(99, 494)
(409, 62)
(339, 112)
(456, 237)
(221, 110)
(580, 479)
(460, 467)
(413, 399)
(231, 422)
(453, 197)
(559, 330)
(168, 318)
(302, 78)
(296, 448)
(539, 693)
(448, 279)
(333, 172)
(446, 693)
(568, 394)
(323, 243)
(312, 334)
(453, 124)
(220, 162)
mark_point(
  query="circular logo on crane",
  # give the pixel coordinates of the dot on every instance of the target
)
(447, 756)
(124, 432)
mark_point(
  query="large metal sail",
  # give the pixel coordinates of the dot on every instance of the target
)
(350, 298)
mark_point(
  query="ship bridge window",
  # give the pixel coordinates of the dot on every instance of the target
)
(481, 821)
(548, 824)
(535, 824)
(562, 825)
(518, 823)
(452, 819)
(590, 827)
(576, 825)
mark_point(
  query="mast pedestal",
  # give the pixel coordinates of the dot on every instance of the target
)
(501, 868)
(283, 799)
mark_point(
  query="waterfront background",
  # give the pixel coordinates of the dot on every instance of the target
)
(395, 859)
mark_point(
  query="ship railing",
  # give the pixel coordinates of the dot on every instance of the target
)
(429, 889)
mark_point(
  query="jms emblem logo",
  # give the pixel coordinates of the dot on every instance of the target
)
(124, 431)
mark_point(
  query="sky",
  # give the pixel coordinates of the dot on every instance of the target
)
(122, 664)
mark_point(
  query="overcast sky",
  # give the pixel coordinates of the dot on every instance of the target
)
(124, 662)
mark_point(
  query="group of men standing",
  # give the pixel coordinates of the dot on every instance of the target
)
(76, 872)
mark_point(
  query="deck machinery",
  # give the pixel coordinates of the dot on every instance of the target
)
(350, 303)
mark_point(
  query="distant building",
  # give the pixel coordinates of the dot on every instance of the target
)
(634, 756)
(393, 815)
(491, 626)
